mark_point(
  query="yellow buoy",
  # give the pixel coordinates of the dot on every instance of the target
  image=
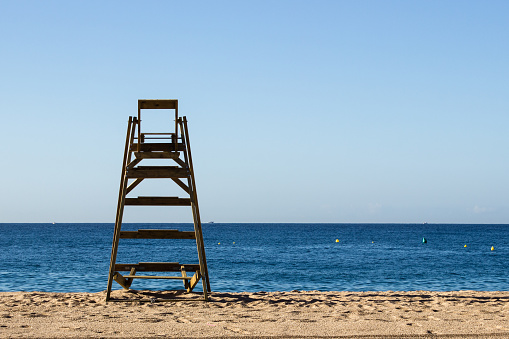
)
(234, 242)
(492, 248)
(372, 242)
(337, 240)
(219, 243)
(465, 246)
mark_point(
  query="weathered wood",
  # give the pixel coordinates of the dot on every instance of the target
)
(180, 162)
(157, 136)
(122, 281)
(131, 128)
(157, 103)
(156, 155)
(157, 267)
(157, 234)
(192, 283)
(181, 184)
(133, 185)
(158, 147)
(133, 163)
(196, 211)
(157, 172)
(158, 201)
(169, 148)
(184, 274)
(129, 281)
(156, 277)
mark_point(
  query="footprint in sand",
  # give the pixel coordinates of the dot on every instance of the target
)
(183, 320)
(236, 330)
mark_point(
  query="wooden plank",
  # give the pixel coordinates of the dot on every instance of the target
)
(196, 212)
(157, 103)
(194, 280)
(157, 234)
(133, 163)
(157, 172)
(158, 147)
(158, 201)
(184, 274)
(180, 163)
(157, 267)
(129, 281)
(155, 168)
(120, 204)
(181, 184)
(121, 280)
(133, 185)
(156, 277)
(156, 155)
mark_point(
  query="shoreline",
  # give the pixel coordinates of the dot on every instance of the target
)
(296, 314)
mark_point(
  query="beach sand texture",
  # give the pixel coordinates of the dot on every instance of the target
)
(459, 314)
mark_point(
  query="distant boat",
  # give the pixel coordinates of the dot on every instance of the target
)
(53, 223)
(211, 222)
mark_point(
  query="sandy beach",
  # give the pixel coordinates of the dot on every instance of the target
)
(294, 314)
(459, 314)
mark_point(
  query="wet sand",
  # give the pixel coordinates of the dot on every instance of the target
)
(297, 314)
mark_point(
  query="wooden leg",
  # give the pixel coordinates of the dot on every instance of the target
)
(120, 206)
(184, 275)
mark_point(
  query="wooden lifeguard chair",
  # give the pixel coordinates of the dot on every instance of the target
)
(175, 148)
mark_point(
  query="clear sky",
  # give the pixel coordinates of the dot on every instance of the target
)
(299, 111)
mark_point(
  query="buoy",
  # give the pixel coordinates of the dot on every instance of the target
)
(492, 248)
(465, 246)
(219, 243)
(234, 242)
(337, 240)
(424, 241)
(372, 242)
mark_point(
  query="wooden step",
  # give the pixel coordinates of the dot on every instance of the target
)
(157, 234)
(157, 147)
(158, 201)
(157, 267)
(155, 277)
(157, 172)
(156, 155)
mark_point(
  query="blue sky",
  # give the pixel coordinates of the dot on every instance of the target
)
(299, 111)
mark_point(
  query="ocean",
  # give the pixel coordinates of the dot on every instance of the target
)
(265, 257)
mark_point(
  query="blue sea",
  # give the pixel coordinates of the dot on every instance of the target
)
(265, 257)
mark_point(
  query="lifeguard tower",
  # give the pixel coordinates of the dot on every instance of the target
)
(175, 148)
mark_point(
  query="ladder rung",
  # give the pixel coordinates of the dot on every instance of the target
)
(158, 201)
(157, 267)
(156, 277)
(157, 172)
(156, 155)
(157, 234)
(157, 147)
